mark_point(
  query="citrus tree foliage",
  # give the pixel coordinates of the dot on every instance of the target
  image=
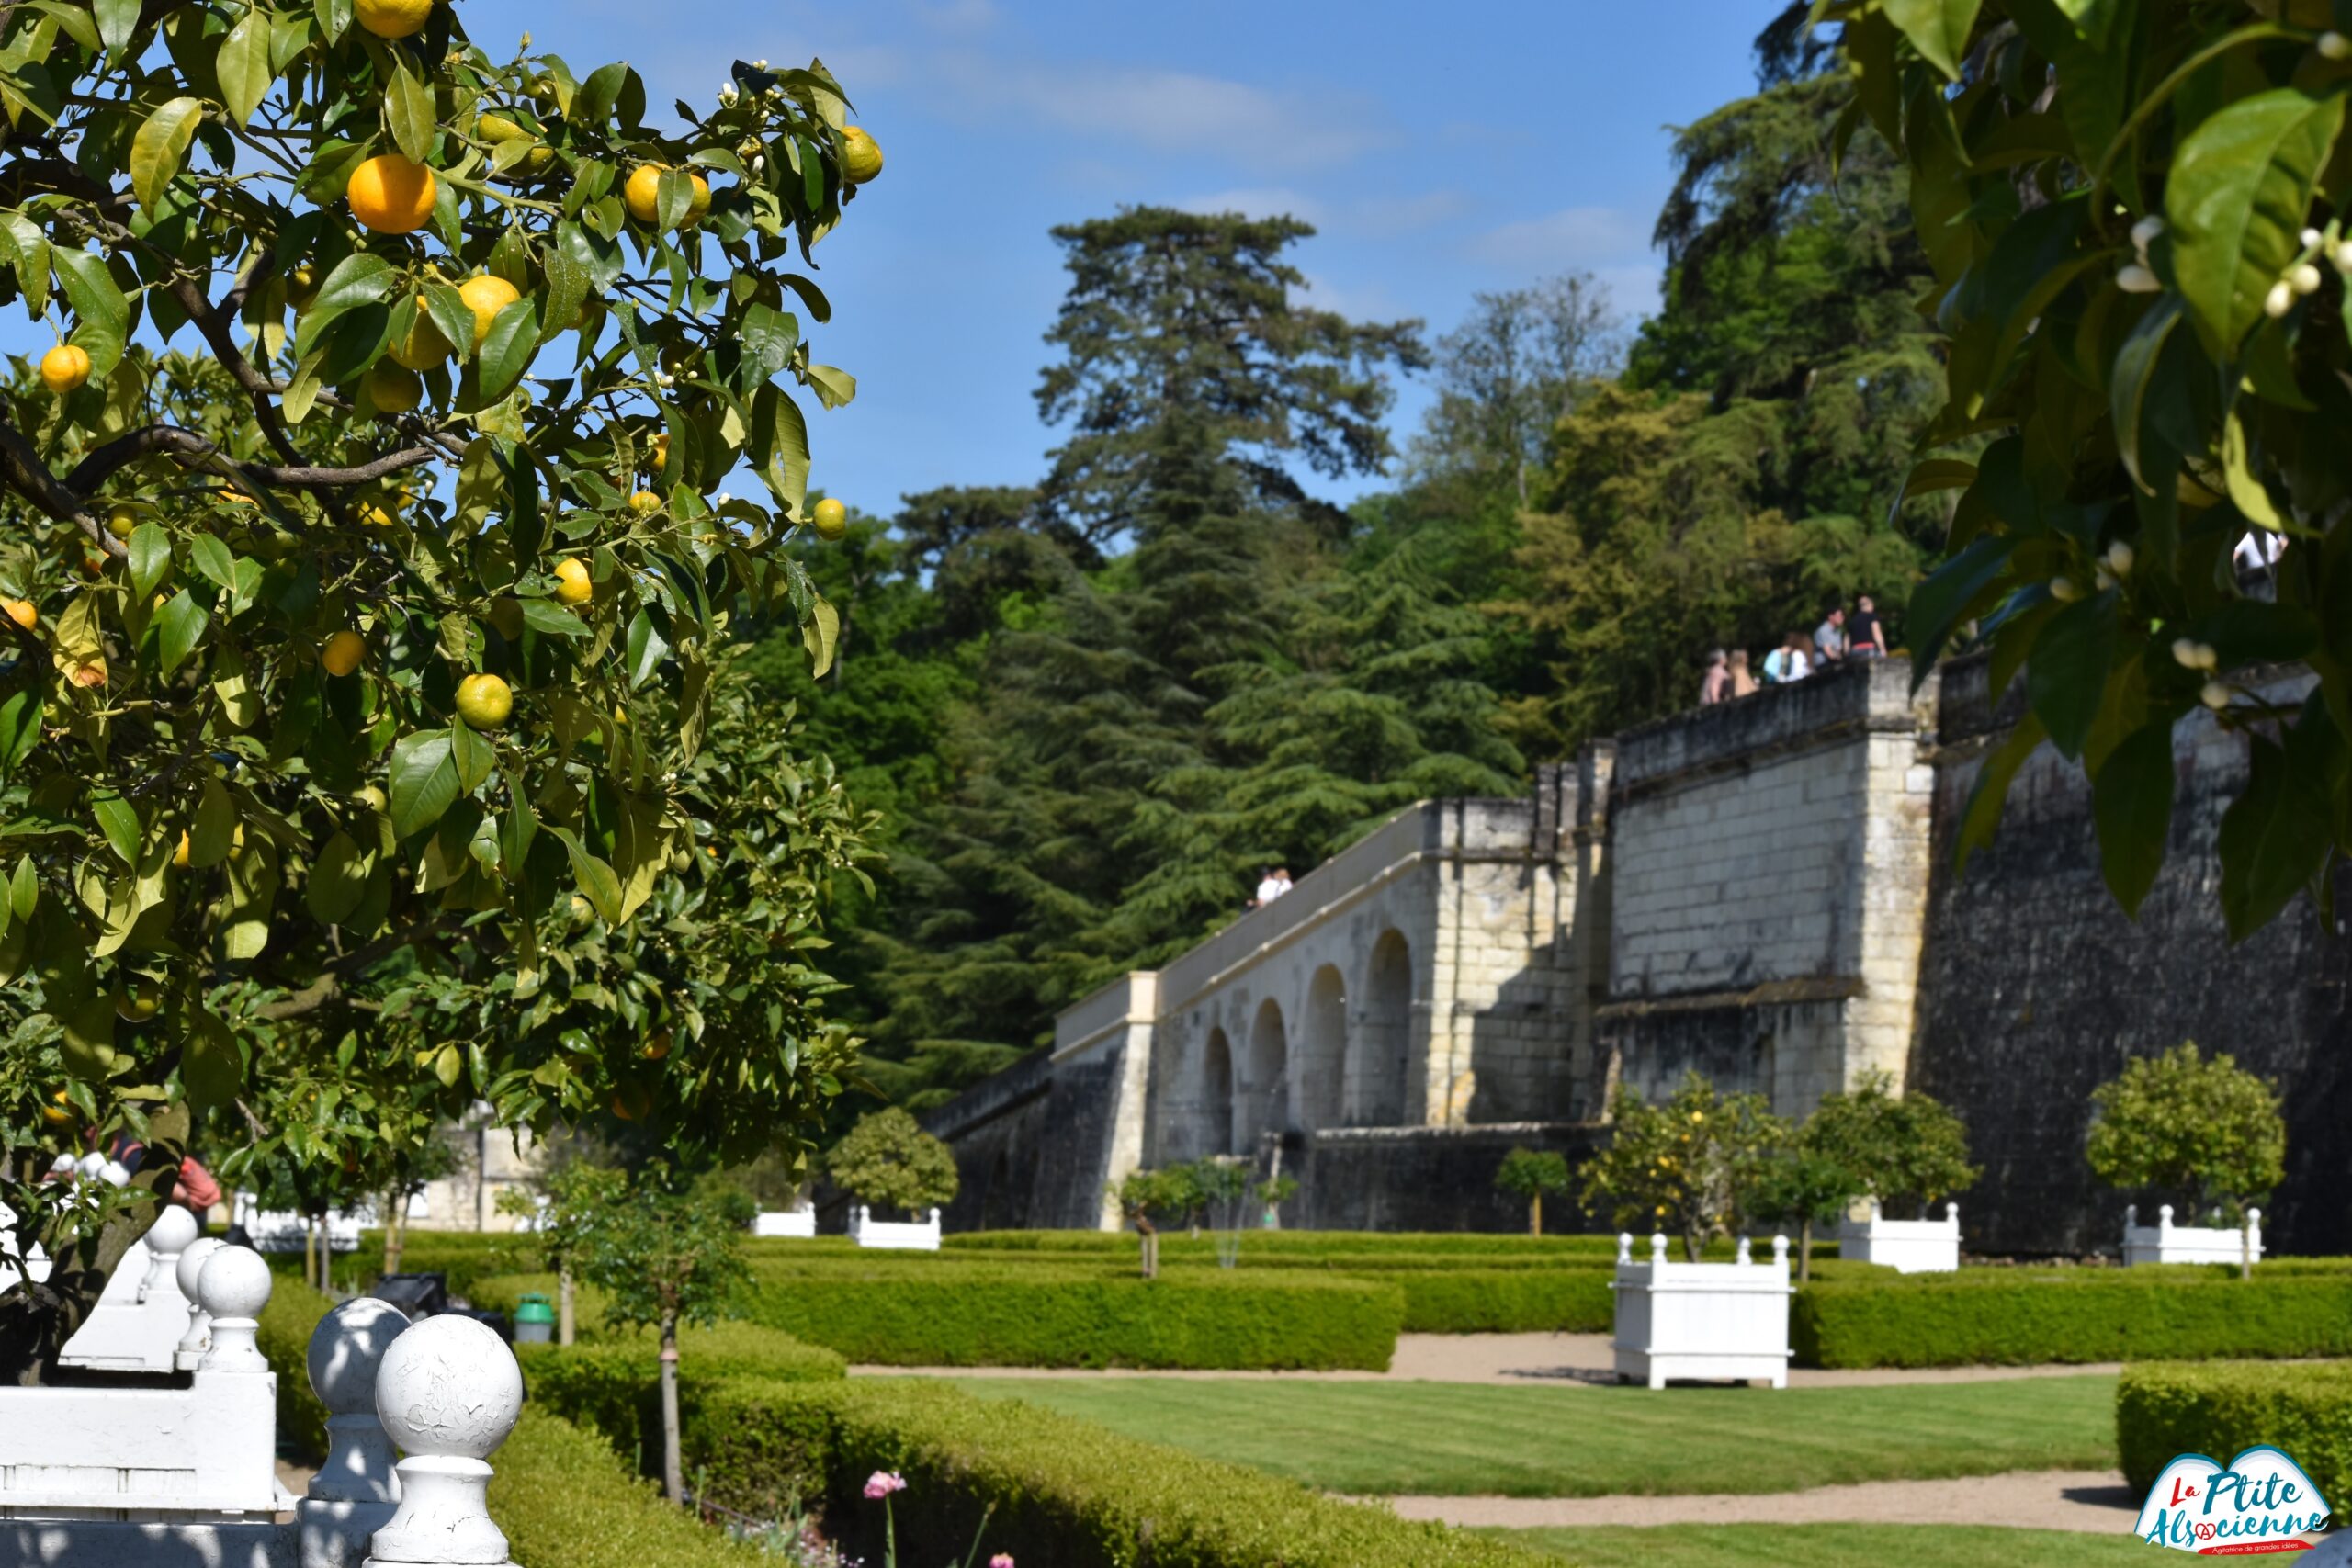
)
(381, 626)
(1798, 1187)
(1899, 1148)
(1530, 1174)
(1686, 1168)
(888, 1161)
(2193, 1129)
(2133, 211)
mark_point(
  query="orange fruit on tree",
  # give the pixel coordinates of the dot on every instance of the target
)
(485, 296)
(392, 19)
(424, 346)
(643, 191)
(484, 702)
(21, 611)
(661, 450)
(830, 518)
(698, 203)
(64, 369)
(571, 583)
(645, 501)
(657, 1047)
(391, 195)
(861, 156)
(138, 999)
(59, 1110)
(393, 388)
(631, 1101)
(121, 520)
(342, 652)
(181, 855)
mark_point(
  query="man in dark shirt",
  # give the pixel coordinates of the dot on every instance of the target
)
(1868, 639)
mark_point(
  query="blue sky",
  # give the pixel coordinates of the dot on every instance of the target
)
(1504, 143)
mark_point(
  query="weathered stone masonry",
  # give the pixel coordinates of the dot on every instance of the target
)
(1761, 891)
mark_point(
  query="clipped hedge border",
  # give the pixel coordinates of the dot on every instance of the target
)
(2103, 1316)
(954, 1314)
(2221, 1408)
(566, 1500)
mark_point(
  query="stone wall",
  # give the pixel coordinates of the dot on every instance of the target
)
(1427, 1178)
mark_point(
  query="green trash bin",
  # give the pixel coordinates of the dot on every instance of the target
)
(534, 1320)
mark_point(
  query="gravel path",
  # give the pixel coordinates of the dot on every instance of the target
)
(2094, 1501)
(1508, 1358)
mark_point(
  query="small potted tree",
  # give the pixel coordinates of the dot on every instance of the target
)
(1905, 1152)
(888, 1161)
(1530, 1174)
(2198, 1131)
(1801, 1187)
(1692, 1166)
(1145, 1196)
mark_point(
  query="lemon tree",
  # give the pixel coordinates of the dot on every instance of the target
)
(360, 650)
(2134, 210)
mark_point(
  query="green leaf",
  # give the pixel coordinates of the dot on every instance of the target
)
(118, 820)
(597, 883)
(358, 279)
(2131, 806)
(212, 1071)
(2135, 369)
(244, 65)
(452, 316)
(780, 447)
(408, 114)
(2238, 198)
(2066, 675)
(646, 649)
(212, 558)
(473, 758)
(822, 634)
(423, 781)
(766, 339)
(2275, 836)
(1991, 788)
(506, 352)
(1938, 28)
(180, 627)
(118, 20)
(1949, 596)
(102, 316)
(552, 620)
(156, 151)
(20, 718)
(834, 387)
(29, 251)
(596, 96)
(2246, 492)
(338, 877)
(150, 558)
(214, 833)
(567, 290)
(23, 888)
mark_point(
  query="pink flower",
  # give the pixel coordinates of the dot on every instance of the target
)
(1002, 1560)
(882, 1482)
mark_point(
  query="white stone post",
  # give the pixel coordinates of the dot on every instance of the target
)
(173, 1230)
(448, 1391)
(234, 1286)
(199, 1325)
(354, 1494)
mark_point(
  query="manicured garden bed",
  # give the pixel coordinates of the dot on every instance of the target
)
(2221, 1408)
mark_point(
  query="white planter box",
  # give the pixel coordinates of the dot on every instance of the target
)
(1908, 1247)
(801, 1222)
(1716, 1322)
(2165, 1242)
(921, 1236)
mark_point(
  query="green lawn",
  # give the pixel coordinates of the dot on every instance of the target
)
(1830, 1546)
(1459, 1439)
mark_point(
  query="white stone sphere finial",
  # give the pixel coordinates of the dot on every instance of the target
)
(199, 1326)
(448, 1391)
(345, 1356)
(1657, 1247)
(232, 1287)
(1780, 1252)
(1742, 1255)
(169, 1236)
(1624, 1246)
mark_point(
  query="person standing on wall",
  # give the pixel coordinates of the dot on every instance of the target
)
(1742, 683)
(1714, 686)
(1866, 638)
(1829, 638)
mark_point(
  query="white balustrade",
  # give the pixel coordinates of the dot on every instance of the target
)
(915, 1235)
(2165, 1242)
(1908, 1247)
(1707, 1321)
(448, 1392)
(798, 1220)
(355, 1489)
(198, 1332)
(136, 1326)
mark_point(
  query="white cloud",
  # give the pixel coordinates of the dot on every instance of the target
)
(1573, 237)
(1171, 111)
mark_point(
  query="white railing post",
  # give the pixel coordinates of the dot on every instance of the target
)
(199, 1325)
(233, 1286)
(356, 1490)
(448, 1391)
(173, 1230)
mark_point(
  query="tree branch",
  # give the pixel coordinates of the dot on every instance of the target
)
(22, 469)
(328, 987)
(94, 470)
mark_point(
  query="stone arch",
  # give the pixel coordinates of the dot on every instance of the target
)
(1323, 1051)
(1261, 1099)
(1212, 1113)
(1378, 1067)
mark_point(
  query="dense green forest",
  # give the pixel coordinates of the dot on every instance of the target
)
(1092, 710)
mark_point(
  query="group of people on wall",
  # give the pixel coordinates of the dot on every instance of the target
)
(1839, 637)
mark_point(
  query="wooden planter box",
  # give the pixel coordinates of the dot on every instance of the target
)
(1908, 1247)
(1712, 1322)
(2165, 1242)
(916, 1235)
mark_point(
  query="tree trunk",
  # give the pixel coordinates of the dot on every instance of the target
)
(565, 1323)
(37, 1320)
(1150, 1248)
(2245, 1246)
(672, 1471)
(1804, 1250)
(1535, 1215)
(396, 1233)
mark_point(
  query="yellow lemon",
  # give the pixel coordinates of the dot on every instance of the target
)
(390, 195)
(661, 450)
(486, 296)
(121, 521)
(831, 518)
(392, 19)
(64, 369)
(180, 855)
(484, 702)
(20, 611)
(393, 388)
(58, 1111)
(643, 192)
(571, 584)
(698, 204)
(645, 501)
(424, 347)
(137, 1000)
(342, 652)
(861, 158)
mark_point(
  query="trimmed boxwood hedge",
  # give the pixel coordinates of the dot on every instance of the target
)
(2221, 1408)
(566, 1500)
(2013, 1318)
